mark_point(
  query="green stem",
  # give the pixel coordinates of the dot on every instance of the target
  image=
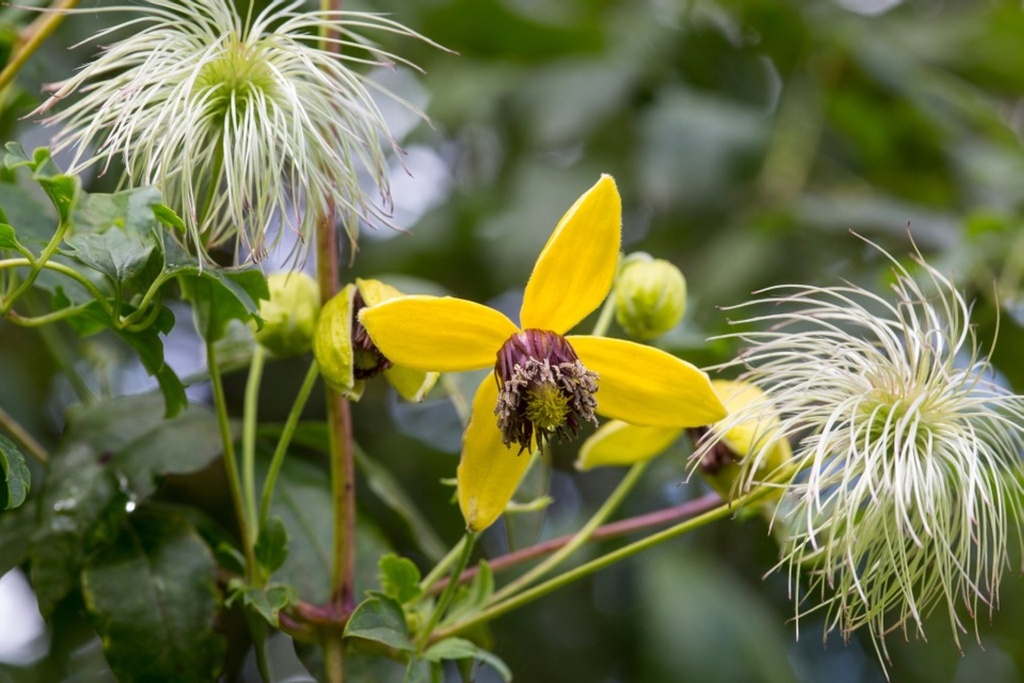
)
(449, 591)
(249, 417)
(285, 439)
(435, 574)
(37, 265)
(604, 320)
(230, 461)
(582, 536)
(23, 437)
(31, 38)
(586, 569)
(622, 527)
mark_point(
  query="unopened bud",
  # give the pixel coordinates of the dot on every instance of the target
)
(650, 296)
(290, 314)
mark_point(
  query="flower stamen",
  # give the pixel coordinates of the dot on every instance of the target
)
(367, 360)
(545, 392)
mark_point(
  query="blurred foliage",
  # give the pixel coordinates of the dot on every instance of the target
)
(748, 138)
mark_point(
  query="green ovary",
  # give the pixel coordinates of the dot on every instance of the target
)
(546, 406)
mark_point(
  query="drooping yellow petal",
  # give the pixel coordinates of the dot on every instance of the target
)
(620, 443)
(489, 472)
(752, 435)
(375, 291)
(441, 334)
(646, 386)
(412, 385)
(576, 268)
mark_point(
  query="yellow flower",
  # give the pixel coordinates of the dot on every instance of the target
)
(619, 443)
(546, 382)
(347, 357)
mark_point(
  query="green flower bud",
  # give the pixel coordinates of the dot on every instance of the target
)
(348, 357)
(650, 296)
(290, 314)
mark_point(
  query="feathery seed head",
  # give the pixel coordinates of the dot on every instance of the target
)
(910, 489)
(249, 126)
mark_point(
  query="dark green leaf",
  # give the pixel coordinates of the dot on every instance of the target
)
(61, 189)
(116, 254)
(16, 528)
(131, 212)
(272, 544)
(219, 296)
(460, 648)
(153, 598)
(17, 478)
(150, 348)
(380, 619)
(386, 487)
(111, 457)
(399, 578)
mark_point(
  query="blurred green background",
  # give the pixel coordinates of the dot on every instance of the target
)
(749, 139)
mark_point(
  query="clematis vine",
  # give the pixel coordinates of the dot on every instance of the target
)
(546, 384)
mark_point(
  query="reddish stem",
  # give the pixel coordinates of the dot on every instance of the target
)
(611, 530)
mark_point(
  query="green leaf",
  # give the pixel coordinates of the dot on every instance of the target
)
(380, 619)
(8, 240)
(153, 598)
(111, 458)
(272, 544)
(460, 648)
(16, 528)
(115, 253)
(302, 499)
(61, 189)
(132, 212)
(472, 600)
(266, 602)
(399, 578)
(114, 232)
(17, 478)
(150, 348)
(220, 296)
(386, 487)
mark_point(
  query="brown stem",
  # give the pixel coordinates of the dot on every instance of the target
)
(341, 448)
(23, 437)
(612, 530)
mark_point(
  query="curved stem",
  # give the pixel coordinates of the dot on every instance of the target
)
(38, 264)
(585, 569)
(285, 439)
(252, 399)
(612, 530)
(230, 461)
(604, 320)
(449, 591)
(441, 567)
(23, 437)
(31, 38)
(607, 508)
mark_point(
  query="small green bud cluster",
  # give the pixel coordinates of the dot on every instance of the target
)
(289, 315)
(650, 296)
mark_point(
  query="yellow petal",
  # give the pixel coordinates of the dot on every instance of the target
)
(441, 334)
(576, 268)
(375, 291)
(489, 472)
(745, 437)
(620, 443)
(412, 385)
(646, 386)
